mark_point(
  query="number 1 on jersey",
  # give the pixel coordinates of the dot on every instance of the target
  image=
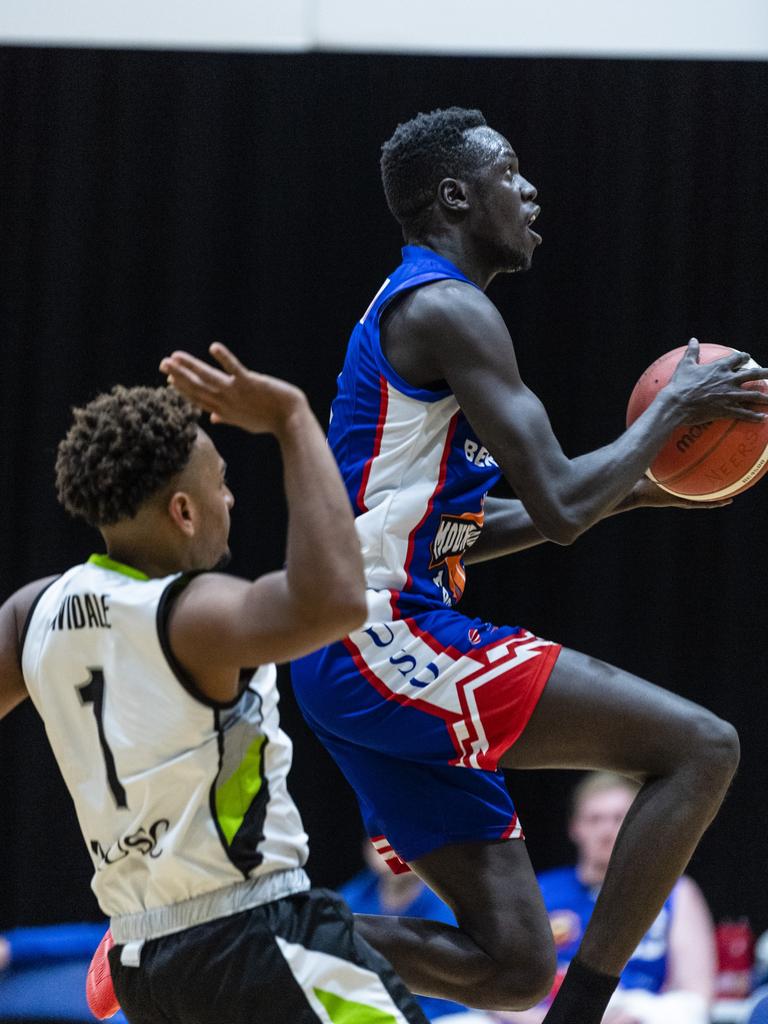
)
(92, 692)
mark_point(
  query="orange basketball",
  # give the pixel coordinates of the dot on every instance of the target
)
(710, 460)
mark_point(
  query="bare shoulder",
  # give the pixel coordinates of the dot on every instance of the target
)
(204, 608)
(201, 616)
(451, 306)
(434, 332)
(220, 624)
(201, 612)
(207, 592)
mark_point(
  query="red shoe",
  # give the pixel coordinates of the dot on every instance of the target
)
(99, 990)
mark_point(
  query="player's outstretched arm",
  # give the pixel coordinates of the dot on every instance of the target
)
(220, 624)
(459, 336)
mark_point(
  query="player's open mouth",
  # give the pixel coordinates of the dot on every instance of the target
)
(530, 221)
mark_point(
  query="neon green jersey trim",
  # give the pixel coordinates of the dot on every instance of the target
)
(345, 1011)
(235, 796)
(105, 562)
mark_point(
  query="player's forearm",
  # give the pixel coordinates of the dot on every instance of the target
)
(599, 483)
(508, 528)
(323, 561)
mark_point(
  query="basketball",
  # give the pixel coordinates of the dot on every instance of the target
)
(707, 461)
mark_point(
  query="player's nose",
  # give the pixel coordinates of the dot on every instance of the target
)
(528, 191)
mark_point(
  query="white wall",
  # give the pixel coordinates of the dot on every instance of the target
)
(685, 28)
(172, 24)
(606, 27)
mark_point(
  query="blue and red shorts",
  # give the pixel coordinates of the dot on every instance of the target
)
(417, 711)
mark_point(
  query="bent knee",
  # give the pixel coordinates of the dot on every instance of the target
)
(519, 981)
(711, 753)
(716, 745)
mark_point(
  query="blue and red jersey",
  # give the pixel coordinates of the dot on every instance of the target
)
(422, 693)
(415, 472)
(570, 903)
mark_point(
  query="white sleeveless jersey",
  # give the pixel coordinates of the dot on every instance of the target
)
(176, 795)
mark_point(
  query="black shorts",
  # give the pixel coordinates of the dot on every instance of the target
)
(294, 961)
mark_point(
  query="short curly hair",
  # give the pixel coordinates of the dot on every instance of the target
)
(421, 153)
(121, 449)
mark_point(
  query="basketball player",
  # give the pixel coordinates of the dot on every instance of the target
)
(422, 706)
(138, 662)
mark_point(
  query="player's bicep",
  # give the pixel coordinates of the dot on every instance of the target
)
(222, 622)
(513, 425)
(477, 360)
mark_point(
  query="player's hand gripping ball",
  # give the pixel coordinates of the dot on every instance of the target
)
(711, 460)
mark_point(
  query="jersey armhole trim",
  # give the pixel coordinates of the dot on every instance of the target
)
(385, 367)
(164, 606)
(28, 620)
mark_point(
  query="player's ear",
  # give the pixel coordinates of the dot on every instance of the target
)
(452, 194)
(182, 512)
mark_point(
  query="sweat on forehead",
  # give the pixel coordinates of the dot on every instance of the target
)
(487, 143)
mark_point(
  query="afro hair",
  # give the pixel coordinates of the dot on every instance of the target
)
(121, 449)
(421, 153)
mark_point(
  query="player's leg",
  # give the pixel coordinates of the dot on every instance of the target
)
(394, 717)
(592, 715)
(502, 954)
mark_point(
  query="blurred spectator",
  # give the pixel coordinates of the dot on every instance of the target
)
(670, 977)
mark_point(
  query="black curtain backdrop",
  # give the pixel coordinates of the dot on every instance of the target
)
(158, 200)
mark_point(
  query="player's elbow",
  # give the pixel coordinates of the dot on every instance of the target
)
(560, 529)
(345, 600)
(563, 537)
(563, 520)
(338, 613)
(352, 611)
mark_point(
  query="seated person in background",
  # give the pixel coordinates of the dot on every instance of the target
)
(378, 890)
(670, 977)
